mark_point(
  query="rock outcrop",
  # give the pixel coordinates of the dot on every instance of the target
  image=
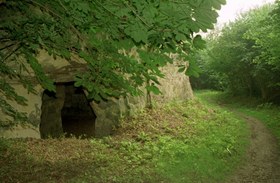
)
(46, 112)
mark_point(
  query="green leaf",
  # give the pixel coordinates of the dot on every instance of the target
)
(182, 69)
(180, 37)
(198, 42)
(137, 32)
(153, 89)
(45, 81)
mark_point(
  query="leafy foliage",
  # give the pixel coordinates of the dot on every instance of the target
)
(96, 31)
(244, 56)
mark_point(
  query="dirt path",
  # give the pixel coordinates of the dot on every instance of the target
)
(263, 156)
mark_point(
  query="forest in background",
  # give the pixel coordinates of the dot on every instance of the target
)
(198, 140)
(243, 58)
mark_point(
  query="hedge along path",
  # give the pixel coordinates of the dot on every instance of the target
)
(262, 162)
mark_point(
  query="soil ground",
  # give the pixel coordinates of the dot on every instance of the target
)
(262, 164)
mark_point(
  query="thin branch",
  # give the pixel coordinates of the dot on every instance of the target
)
(12, 52)
(107, 9)
(55, 14)
(137, 15)
(4, 39)
(61, 4)
(5, 47)
(42, 6)
(131, 8)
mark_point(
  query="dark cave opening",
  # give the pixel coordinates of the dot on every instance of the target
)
(77, 116)
(67, 112)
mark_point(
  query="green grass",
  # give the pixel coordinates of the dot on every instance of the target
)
(268, 113)
(178, 142)
(210, 153)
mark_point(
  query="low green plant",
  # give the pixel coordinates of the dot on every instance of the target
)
(4, 145)
(209, 155)
(267, 113)
(178, 142)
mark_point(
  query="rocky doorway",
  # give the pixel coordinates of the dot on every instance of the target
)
(66, 112)
(77, 116)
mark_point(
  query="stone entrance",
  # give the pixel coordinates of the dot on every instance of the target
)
(67, 111)
(77, 115)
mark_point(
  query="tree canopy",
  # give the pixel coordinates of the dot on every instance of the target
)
(244, 57)
(96, 31)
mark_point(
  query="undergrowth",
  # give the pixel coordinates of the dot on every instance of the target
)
(267, 113)
(177, 142)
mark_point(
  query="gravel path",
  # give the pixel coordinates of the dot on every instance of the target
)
(263, 157)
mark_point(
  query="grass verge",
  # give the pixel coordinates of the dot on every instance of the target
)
(178, 142)
(268, 113)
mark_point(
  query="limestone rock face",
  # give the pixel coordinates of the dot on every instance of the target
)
(175, 85)
(20, 131)
(108, 113)
(51, 122)
(59, 69)
(67, 110)
(33, 111)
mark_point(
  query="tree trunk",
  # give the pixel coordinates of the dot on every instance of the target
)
(149, 104)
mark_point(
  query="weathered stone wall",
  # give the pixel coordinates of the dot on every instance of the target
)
(174, 86)
(51, 122)
(33, 110)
